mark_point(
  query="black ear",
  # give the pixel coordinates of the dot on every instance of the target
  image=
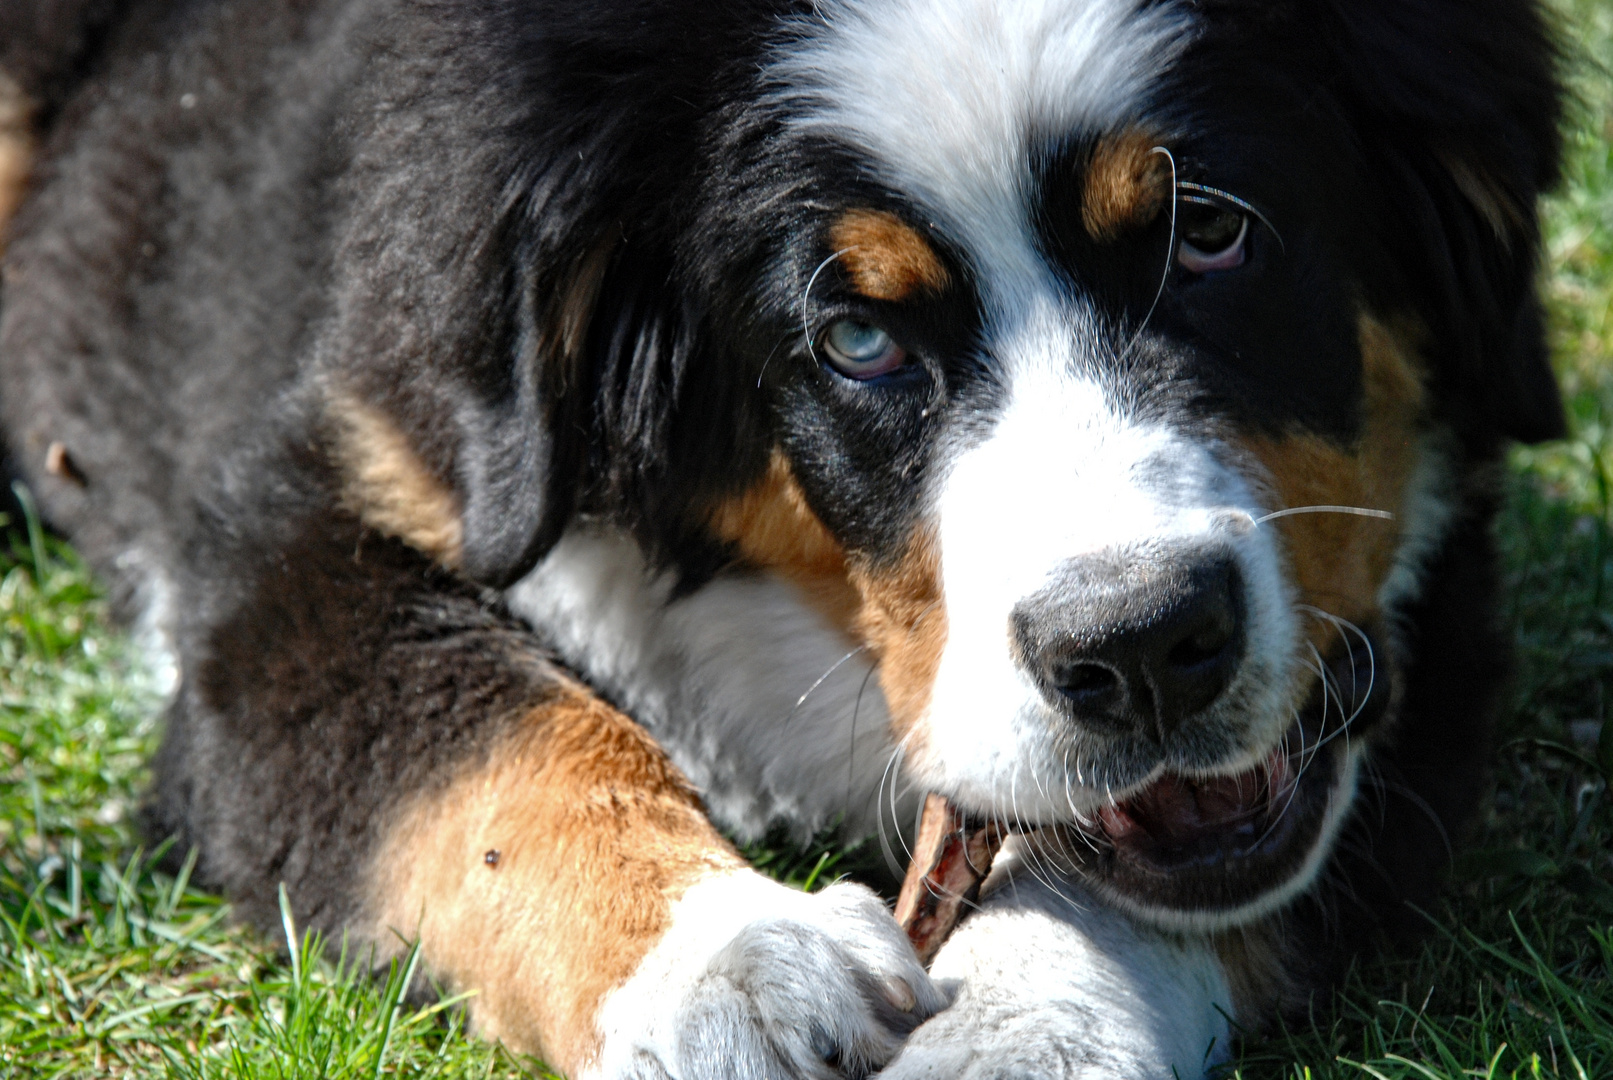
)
(452, 369)
(472, 407)
(448, 399)
(516, 449)
(1457, 106)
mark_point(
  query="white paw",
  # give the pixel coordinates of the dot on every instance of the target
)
(754, 979)
(1047, 989)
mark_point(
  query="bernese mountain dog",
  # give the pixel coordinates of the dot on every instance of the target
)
(549, 444)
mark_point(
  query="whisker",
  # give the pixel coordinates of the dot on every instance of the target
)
(1322, 677)
(1342, 624)
(1396, 787)
(1348, 716)
(891, 863)
(1372, 661)
(770, 354)
(1081, 819)
(893, 771)
(806, 304)
(1293, 788)
(1037, 862)
(1170, 252)
(1358, 511)
(1241, 204)
(836, 666)
(856, 710)
(1081, 822)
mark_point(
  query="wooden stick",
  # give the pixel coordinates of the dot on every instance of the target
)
(950, 861)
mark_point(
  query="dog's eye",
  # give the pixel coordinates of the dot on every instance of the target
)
(860, 350)
(1212, 238)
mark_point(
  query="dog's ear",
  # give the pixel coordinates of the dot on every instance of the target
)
(452, 399)
(522, 444)
(1458, 108)
(507, 307)
(481, 410)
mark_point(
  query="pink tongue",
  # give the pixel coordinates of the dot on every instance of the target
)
(1175, 810)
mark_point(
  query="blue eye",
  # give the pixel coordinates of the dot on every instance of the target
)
(860, 350)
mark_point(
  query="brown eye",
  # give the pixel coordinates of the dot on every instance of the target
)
(1211, 238)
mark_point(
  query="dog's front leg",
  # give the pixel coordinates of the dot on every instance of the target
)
(572, 883)
(1049, 984)
(406, 758)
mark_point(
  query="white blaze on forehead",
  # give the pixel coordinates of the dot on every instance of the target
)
(1062, 470)
(951, 98)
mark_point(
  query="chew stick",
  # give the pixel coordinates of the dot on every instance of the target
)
(950, 860)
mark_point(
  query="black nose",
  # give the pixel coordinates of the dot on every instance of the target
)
(1134, 643)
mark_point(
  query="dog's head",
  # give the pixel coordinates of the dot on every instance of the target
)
(1107, 368)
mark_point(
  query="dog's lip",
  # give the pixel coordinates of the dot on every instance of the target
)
(1173, 820)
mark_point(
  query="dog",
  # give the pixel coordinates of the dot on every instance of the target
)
(547, 444)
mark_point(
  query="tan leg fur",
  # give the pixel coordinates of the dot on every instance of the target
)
(539, 878)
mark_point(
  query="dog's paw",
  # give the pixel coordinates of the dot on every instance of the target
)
(1002, 1038)
(754, 979)
(1050, 990)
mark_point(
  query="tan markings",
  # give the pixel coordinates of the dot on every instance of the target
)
(387, 485)
(886, 258)
(1340, 560)
(540, 878)
(904, 621)
(16, 151)
(772, 527)
(1498, 208)
(895, 610)
(1127, 184)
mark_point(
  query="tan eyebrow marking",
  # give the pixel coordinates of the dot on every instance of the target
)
(1126, 184)
(886, 257)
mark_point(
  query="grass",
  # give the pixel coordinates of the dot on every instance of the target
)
(110, 967)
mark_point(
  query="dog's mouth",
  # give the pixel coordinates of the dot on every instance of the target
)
(1175, 821)
(1217, 849)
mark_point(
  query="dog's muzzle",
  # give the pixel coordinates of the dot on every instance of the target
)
(1145, 654)
(1128, 646)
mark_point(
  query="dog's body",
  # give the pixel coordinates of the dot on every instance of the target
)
(534, 427)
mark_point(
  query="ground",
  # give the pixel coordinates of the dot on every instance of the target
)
(108, 967)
